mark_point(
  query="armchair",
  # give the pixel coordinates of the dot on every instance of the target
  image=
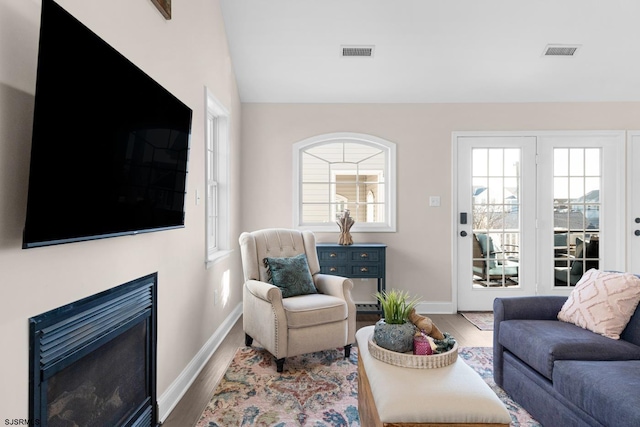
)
(491, 264)
(586, 259)
(289, 326)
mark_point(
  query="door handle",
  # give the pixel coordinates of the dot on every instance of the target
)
(637, 233)
(463, 233)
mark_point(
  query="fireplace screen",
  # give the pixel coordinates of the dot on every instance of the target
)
(104, 388)
(93, 361)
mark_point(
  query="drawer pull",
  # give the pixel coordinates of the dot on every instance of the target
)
(333, 269)
(332, 255)
(363, 269)
(364, 255)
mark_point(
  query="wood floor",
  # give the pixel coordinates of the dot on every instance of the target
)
(188, 410)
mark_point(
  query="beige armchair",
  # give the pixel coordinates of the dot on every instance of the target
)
(298, 324)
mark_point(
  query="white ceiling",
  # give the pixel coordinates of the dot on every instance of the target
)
(434, 50)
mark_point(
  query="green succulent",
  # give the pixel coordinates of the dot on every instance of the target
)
(396, 306)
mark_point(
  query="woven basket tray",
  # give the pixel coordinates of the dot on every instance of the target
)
(407, 360)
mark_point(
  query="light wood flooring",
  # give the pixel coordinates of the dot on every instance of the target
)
(188, 410)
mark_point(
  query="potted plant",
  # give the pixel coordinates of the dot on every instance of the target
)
(395, 332)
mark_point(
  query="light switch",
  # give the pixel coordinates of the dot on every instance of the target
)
(434, 200)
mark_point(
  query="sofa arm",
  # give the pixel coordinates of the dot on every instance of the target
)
(543, 307)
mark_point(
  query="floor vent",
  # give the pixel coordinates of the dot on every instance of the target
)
(561, 50)
(356, 51)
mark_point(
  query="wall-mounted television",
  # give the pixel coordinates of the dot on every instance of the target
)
(110, 145)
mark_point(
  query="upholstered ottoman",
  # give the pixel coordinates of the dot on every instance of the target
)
(393, 396)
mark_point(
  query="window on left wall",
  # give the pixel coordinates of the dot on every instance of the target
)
(217, 179)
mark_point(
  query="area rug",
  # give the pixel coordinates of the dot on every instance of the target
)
(315, 390)
(482, 320)
(481, 360)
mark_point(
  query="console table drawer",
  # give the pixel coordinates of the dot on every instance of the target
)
(372, 255)
(365, 270)
(336, 270)
(328, 255)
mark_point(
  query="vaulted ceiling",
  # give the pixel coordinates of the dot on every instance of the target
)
(424, 51)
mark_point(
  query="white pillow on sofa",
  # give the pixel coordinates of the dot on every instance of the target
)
(602, 302)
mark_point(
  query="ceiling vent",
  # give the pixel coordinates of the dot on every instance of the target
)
(561, 50)
(357, 51)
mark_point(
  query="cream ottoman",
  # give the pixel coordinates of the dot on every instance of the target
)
(393, 396)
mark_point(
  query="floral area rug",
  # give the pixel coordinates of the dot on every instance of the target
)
(315, 390)
(482, 320)
(481, 360)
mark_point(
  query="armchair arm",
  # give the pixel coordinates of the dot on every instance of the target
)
(336, 286)
(339, 287)
(544, 307)
(263, 290)
(264, 318)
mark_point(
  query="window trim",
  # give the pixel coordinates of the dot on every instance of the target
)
(216, 112)
(390, 205)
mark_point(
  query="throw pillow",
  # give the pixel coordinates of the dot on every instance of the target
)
(602, 302)
(291, 275)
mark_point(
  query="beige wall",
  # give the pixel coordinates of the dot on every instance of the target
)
(184, 54)
(419, 253)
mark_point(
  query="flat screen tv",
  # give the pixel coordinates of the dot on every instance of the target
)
(110, 145)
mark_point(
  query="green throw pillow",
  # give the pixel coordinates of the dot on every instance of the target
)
(291, 275)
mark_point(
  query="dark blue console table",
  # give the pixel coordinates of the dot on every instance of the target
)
(357, 261)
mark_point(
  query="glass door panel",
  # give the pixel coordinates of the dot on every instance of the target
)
(496, 216)
(576, 205)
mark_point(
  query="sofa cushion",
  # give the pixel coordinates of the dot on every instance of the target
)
(291, 275)
(539, 343)
(602, 302)
(605, 390)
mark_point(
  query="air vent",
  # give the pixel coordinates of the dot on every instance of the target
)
(357, 51)
(561, 50)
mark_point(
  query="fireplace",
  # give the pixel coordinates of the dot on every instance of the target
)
(93, 362)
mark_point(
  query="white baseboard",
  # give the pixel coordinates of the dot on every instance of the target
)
(426, 307)
(436, 308)
(179, 387)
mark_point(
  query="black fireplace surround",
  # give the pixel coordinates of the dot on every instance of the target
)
(93, 362)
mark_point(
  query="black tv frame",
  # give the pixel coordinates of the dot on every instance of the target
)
(169, 216)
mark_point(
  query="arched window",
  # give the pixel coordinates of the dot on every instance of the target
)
(339, 171)
(371, 206)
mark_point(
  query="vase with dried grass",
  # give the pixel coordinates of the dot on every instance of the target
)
(345, 223)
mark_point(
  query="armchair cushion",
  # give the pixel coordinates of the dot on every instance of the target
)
(311, 310)
(291, 275)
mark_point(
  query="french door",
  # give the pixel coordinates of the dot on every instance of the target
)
(496, 188)
(633, 216)
(580, 210)
(534, 211)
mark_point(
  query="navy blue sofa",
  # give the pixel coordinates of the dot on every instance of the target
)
(562, 374)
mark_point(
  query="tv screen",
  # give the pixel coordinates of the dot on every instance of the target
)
(110, 145)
